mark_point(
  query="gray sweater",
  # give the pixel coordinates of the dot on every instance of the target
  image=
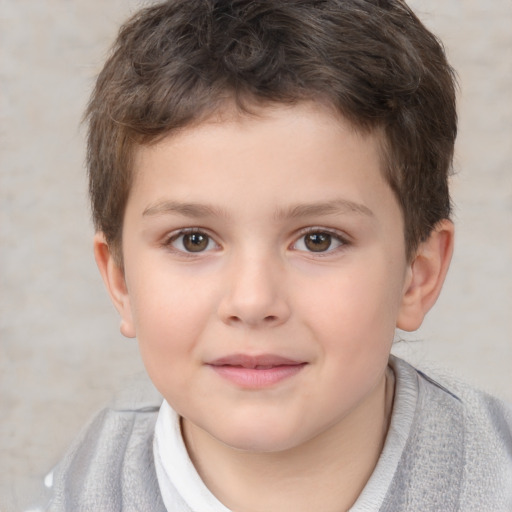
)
(446, 450)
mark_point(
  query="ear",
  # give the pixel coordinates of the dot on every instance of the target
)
(113, 277)
(425, 276)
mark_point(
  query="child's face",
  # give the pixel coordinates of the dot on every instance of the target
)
(270, 241)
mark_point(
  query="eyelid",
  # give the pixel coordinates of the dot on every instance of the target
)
(176, 234)
(339, 235)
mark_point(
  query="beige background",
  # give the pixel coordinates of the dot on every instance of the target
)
(61, 355)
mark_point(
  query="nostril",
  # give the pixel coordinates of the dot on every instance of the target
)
(270, 318)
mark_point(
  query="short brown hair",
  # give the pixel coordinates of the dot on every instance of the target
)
(175, 63)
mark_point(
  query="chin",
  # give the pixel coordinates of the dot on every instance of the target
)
(259, 440)
(260, 445)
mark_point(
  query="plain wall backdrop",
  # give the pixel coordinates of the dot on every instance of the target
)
(61, 354)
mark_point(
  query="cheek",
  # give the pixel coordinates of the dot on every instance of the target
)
(355, 308)
(170, 313)
(168, 333)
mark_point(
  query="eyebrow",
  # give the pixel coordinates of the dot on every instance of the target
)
(196, 210)
(334, 207)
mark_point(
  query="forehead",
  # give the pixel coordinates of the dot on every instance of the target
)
(274, 119)
(300, 153)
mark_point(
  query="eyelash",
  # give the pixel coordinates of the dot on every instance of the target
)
(173, 237)
(335, 235)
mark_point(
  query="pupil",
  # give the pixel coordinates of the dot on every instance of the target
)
(318, 242)
(195, 242)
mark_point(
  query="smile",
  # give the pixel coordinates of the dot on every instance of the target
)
(256, 372)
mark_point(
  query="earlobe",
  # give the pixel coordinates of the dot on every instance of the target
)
(426, 275)
(114, 279)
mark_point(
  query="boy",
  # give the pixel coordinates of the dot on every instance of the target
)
(269, 189)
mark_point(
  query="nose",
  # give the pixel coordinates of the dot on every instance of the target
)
(255, 294)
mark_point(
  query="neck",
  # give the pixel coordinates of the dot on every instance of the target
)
(326, 473)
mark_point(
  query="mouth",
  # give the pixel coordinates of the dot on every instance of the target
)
(255, 372)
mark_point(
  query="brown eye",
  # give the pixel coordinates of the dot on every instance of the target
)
(195, 242)
(318, 242)
(191, 241)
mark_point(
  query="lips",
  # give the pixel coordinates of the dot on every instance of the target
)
(264, 361)
(254, 372)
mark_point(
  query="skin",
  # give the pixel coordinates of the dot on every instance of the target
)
(257, 191)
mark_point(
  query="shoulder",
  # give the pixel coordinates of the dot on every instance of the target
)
(487, 430)
(448, 396)
(110, 465)
(485, 421)
(459, 448)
